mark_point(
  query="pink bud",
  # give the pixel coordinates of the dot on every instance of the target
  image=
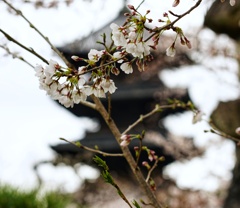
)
(165, 14)
(131, 6)
(145, 164)
(126, 139)
(188, 43)
(150, 20)
(76, 58)
(175, 3)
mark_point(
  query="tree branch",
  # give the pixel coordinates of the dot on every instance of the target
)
(157, 109)
(14, 55)
(92, 150)
(30, 50)
(126, 152)
(40, 33)
(159, 29)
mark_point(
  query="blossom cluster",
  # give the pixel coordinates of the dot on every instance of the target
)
(134, 38)
(70, 87)
(129, 38)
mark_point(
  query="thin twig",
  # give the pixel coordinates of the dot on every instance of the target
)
(14, 55)
(10, 38)
(159, 29)
(139, 153)
(140, 4)
(157, 109)
(142, 117)
(218, 132)
(103, 65)
(93, 150)
(41, 34)
(151, 170)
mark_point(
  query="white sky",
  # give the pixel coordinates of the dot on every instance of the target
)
(30, 121)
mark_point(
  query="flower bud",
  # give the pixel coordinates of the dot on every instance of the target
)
(126, 139)
(145, 164)
(237, 130)
(188, 43)
(131, 6)
(76, 58)
(171, 51)
(165, 14)
(175, 3)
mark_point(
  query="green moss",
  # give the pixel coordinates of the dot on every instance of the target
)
(11, 197)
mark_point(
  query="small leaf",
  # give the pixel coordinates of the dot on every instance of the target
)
(136, 204)
(100, 162)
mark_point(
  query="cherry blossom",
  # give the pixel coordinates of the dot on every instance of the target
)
(108, 86)
(95, 55)
(127, 67)
(117, 35)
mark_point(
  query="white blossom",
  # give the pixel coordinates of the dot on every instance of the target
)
(117, 35)
(127, 68)
(95, 55)
(138, 49)
(99, 92)
(39, 71)
(78, 96)
(108, 86)
(81, 81)
(66, 101)
(50, 69)
(118, 55)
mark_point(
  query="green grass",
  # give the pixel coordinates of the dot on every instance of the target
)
(11, 197)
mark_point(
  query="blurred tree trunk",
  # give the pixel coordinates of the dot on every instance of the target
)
(226, 118)
(224, 17)
(233, 197)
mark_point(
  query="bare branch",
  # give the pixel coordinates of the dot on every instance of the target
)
(30, 50)
(159, 29)
(14, 55)
(41, 34)
(79, 145)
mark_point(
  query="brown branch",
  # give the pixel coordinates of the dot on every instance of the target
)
(30, 50)
(79, 145)
(126, 152)
(218, 132)
(41, 34)
(88, 104)
(151, 170)
(159, 29)
(14, 55)
(157, 109)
